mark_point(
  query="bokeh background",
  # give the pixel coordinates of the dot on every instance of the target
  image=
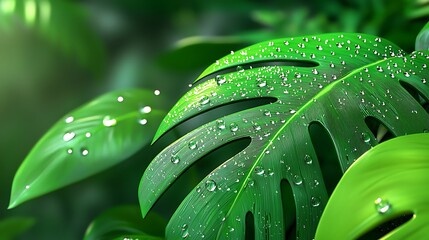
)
(56, 55)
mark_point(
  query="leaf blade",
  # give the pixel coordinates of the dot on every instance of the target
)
(88, 140)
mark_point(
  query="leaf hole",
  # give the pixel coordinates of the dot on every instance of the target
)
(417, 95)
(386, 227)
(326, 155)
(289, 209)
(250, 227)
(378, 129)
(259, 64)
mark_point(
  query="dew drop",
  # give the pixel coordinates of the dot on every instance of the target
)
(192, 145)
(256, 127)
(250, 183)
(69, 119)
(297, 180)
(259, 170)
(240, 69)
(382, 206)
(315, 201)
(175, 159)
(146, 109)
(157, 92)
(220, 124)
(220, 79)
(204, 100)
(233, 127)
(108, 121)
(308, 159)
(185, 232)
(366, 138)
(69, 151)
(143, 121)
(84, 151)
(88, 134)
(69, 136)
(27, 186)
(211, 185)
(120, 99)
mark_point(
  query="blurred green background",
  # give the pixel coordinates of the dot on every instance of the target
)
(56, 55)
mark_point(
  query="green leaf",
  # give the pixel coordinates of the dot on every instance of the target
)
(422, 40)
(335, 80)
(386, 182)
(86, 141)
(125, 222)
(12, 227)
(62, 22)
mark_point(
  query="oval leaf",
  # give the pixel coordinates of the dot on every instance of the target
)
(388, 181)
(125, 222)
(88, 140)
(336, 80)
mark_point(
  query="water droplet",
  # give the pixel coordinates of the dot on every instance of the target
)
(146, 109)
(204, 100)
(69, 151)
(27, 186)
(185, 232)
(292, 111)
(220, 79)
(250, 183)
(69, 119)
(297, 180)
(366, 138)
(84, 151)
(231, 229)
(315, 201)
(143, 121)
(88, 134)
(256, 126)
(308, 159)
(108, 121)
(240, 69)
(192, 145)
(69, 136)
(175, 159)
(233, 127)
(211, 185)
(157, 92)
(120, 99)
(259, 170)
(382, 205)
(220, 124)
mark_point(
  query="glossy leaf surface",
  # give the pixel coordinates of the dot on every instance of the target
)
(88, 140)
(335, 80)
(125, 222)
(388, 181)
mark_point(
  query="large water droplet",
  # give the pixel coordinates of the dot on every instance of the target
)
(308, 159)
(233, 127)
(220, 124)
(192, 145)
(69, 136)
(204, 100)
(382, 205)
(84, 151)
(109, 121)
(240, 69)
(259, 170)
(220, 79)
(297, 180)
(366, 137)
(175, 159)
(315, 201)
(210, 185)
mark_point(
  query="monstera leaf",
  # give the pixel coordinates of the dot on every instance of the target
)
(86, 141)
(334, 93)
(385, 189)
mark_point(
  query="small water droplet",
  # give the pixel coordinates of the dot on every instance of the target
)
(69, 119)
(84, 151)
(211, 185)
(257, 127)
(220, 79)
(315, 201)
(146, 109)
(381, 205)
(250, 183)
(120, 99)
(366, 137)
(192, 145)
(204, 100)
(88, 134)
(27, 186)
(69, 136)
(157, 92)
(308, 159)
(108, 121)
(231, 229)
(240, 69)
(297, 180)
(233, 127)
(143, 121)
(69, 151)
(259, 170)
